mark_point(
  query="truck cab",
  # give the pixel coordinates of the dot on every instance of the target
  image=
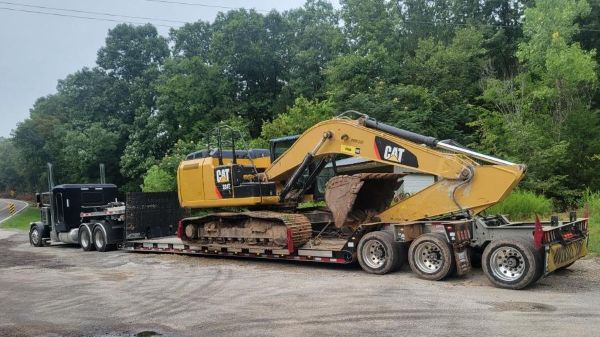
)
(62, 207)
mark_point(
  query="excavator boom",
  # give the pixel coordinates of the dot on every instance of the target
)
(467, 181)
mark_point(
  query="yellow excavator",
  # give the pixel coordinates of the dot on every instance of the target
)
(265, 204)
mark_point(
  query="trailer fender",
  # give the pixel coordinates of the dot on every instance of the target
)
(112, 232)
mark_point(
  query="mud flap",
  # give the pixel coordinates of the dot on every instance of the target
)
(356, 198)
(463, 263)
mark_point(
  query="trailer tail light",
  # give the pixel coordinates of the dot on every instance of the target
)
(458, 233)
(180, 229)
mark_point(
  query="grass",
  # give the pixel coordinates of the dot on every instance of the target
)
(591, 200)
(23, 219)
(523, 205)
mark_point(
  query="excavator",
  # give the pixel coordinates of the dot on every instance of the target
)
(268, 203)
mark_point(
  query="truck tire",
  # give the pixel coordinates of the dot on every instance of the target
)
(430, 257)
(85, 239)
(378, 253)
(512, 263)
(35, 237)
(100, 240)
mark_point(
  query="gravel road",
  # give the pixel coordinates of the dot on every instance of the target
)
(62, 291)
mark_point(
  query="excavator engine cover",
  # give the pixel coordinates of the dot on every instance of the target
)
(359, 198)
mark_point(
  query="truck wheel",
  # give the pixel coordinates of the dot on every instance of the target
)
(100, 240)
(85, 239)
(35, 237)
(378, 253)
(430, 257)
(512, 264)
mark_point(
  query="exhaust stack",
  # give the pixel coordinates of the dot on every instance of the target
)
(50, 177)
(102, 174)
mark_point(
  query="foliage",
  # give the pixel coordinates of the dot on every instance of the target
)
(10, 178)
(591, 203)
(23, 219)
(159, 180)
(523, 205)
(297, 119)
(162, 177)
(534, 114)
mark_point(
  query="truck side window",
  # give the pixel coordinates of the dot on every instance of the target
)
(60, 214)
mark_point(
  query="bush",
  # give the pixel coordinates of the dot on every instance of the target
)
(591, 200)
(521, 205)
(159, 180)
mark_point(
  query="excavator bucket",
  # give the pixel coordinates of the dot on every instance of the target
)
(359, 198)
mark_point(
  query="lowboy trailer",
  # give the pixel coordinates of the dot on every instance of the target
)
(434, 249)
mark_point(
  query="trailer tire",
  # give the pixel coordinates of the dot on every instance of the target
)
(378, 253)
(35, 237)
(430, 257)
(512, 263)
(100, 240)
(85, 239)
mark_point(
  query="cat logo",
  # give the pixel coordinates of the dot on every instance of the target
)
(222, 175)
(393, 153)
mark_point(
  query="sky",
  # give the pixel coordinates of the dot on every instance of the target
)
(36, 50)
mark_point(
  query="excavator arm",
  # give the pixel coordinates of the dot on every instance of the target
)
(466, 180)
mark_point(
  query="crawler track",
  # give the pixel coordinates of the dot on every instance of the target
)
(252, 229)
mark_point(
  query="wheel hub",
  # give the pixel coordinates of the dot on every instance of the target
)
(35, 236)
(373, 254)
(99, 239)
(428, 257)
(85, 240)
(507, 264)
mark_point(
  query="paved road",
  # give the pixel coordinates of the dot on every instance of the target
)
(4, 211)
(63, 291)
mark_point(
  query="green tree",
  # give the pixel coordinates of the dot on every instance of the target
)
(130, 50)
(10, 177)
(158, 180)
(538, 108)
(315, 38)
(296, 120)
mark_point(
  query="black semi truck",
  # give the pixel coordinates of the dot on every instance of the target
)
(94, 216)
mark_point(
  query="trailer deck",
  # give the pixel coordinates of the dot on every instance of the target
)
(174, 245)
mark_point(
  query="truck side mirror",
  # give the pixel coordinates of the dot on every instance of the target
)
(38, 200)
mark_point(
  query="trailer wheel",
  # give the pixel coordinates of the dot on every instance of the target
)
(85, 239)
(512, 264)
(378, 253)
(430, 257)
(100, 240)
(35, 237)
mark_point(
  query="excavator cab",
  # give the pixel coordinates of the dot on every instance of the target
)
(224, 175)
